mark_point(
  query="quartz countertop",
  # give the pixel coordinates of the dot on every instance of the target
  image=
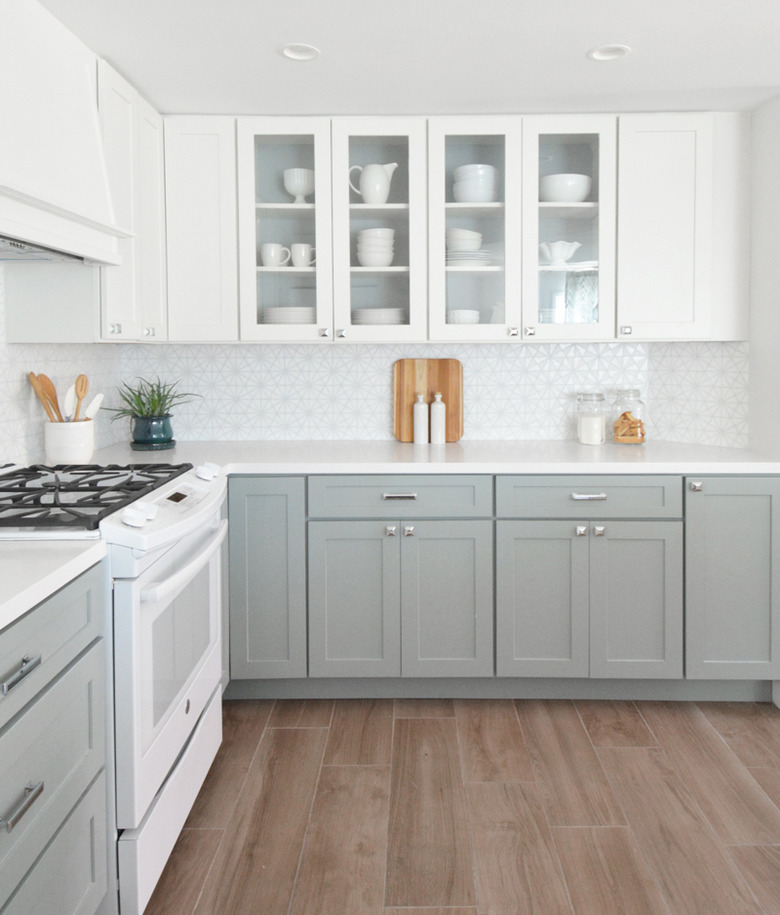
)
(557, 457)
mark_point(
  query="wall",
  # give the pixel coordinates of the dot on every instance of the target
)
(694, 392)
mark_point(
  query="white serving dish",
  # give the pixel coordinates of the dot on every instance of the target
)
(564, 188)
(463, 316)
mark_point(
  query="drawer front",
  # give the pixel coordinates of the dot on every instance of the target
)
(589, 497)
(59, 743)
(71, 875)
(56, 630)
(401, 496)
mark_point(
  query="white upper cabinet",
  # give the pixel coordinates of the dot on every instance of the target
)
(474, 228)
(380, 281)
(200, 196)
(284, 213)
(568, 238)
(682, 237)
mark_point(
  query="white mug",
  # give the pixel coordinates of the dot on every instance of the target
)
(274, 255)
(302, 255)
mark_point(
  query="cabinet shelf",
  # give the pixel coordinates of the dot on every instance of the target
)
(286, 269)
(475, 209)
(491, 268)
(378, 269)
(569, 268)
(368, 209)
(569, 210)
(286, 207)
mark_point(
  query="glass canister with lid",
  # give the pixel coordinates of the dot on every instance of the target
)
(628, 427)
(591, 418)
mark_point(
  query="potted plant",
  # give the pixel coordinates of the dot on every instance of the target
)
(149, 405)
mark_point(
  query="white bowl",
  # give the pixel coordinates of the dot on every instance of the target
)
(375, 258)
(468, 171)
(454, 232)
(376, 233)
(464, 244)
(299, 182)
(564, 188)
(463, 316)
(474, 192)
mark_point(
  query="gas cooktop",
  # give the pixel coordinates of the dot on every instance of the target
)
(76, 496)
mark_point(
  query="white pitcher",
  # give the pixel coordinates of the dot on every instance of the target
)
(374, 182)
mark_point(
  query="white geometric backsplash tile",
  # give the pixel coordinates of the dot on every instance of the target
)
(695, 392)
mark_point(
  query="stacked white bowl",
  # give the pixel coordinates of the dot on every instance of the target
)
(475, 183)
(463, 239)
(375, 247)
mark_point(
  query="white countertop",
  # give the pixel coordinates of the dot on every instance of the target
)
(559, 457)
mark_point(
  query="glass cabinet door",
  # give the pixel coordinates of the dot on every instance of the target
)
(285, 229)
(379, 239)
(569, 227)
(474, 174)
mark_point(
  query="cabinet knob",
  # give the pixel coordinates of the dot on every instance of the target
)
(341, 333)
(150, 332)
(409, 531)
(697, 486)
(529, 331)
(626, 330)
(325, 332)
(581, 530)
(599, 531)
(390, 530)
(513, 331)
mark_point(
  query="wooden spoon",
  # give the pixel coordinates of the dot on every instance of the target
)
(51, 393)
(82, 386)
(36, 386)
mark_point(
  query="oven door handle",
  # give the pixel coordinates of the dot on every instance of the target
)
(160, 590)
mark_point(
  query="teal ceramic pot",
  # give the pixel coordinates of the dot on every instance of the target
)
(152, 433)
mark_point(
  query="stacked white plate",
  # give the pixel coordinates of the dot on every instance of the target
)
(463, 316)
(291, 314)
(379, 316)
(475, 183)
(481, 258)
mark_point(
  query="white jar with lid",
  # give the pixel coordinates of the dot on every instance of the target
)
(628, 425)
(591, 418)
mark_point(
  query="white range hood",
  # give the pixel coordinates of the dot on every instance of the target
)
(53, 187)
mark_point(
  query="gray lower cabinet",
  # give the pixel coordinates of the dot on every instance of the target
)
(267, 589)
(583, 598)
(392, 598)
(732, 566)
(53, 802)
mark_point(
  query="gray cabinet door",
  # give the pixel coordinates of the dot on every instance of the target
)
(732, 588)
(636, 599)
(447, 598)
(542, 598)
(354, 599)
(267, 544)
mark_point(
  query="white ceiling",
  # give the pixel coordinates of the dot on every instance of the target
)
(435, 56)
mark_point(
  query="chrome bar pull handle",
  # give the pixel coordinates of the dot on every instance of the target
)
(589, 496)
(397, 496)
(28, 665)
(599, 531)
(31, 795)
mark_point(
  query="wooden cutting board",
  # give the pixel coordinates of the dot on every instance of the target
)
(427, 376)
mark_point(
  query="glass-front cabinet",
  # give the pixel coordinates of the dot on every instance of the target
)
(475, 227)
(569, 192)
(379, 229)
(284, 212)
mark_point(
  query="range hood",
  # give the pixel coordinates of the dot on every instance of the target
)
(11, 249)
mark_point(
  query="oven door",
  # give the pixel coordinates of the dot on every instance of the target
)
(167, 657)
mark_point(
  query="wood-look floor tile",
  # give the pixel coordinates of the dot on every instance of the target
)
(255, 867)
(424, 708)
(429, 861)
(691, 867)
(751, 729)
(182, 880)
(769, 779)
(361, 733)
(517, 866)
(614, 724)
(435, 910)
(574, 787)
(606, 872)
(491, 742)
(760, 866)
(344, 855)
(243, 722)
(738, 810)
(301, 713)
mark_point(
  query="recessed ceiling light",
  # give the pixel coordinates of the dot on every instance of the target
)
(609, 52)
(299, 51)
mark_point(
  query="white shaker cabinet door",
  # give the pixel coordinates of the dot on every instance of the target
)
(200, 195)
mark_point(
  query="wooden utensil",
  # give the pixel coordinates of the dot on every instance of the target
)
(51, 394)
(82, 386)
(427, 376)
(36, 386)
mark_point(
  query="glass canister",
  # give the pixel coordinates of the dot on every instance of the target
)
(591, 418)
(629, 418)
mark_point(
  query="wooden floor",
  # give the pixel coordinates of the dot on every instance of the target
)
(484, 807)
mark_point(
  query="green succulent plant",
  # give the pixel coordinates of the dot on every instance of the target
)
(149, 398)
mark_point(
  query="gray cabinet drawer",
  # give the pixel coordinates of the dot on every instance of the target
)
(70, 878)
(59, 742)
(57, 630)
(401, 496)
(591, 497)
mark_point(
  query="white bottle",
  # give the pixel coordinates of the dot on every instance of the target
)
(420, 421)
(438, 420)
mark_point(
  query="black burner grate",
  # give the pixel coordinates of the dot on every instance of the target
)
(76, 495)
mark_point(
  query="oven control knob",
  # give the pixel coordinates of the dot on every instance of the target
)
(148, 508)
(133, 517)
(207, 471)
